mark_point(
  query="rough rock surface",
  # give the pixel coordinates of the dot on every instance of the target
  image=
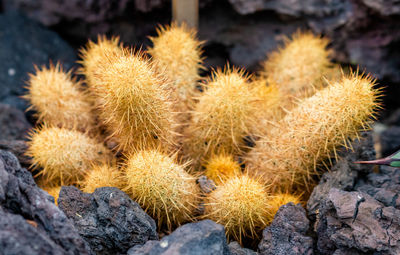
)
(30, 222)
(344, 173)
(13, 124)
(204, 237)
(107, 219)
(383, 186)
(50, 12)
(390, 140)
(236, 249)
(364, 32)
(206, 185)
(24, 43)
(356, 221)
(18, 148)
(287, 233)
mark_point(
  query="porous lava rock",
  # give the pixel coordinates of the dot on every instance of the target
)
(236, 249)
(107, 219)
(30, 222)
(354, 221)
(24, 43)
(204, 237)
(389, 140)
(13, 124)
(344, 172)
(287, 233)
(18, 148)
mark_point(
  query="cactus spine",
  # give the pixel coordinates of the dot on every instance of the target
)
(102, 176)
(59, 99)
(222, 116)
(137, 106)
(222, 167)
(240, 204)
(177, 54)
(63, 156)
(162, 187)
(292, 151)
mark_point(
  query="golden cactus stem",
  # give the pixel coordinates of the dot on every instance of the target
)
(291, 153)
(137, 104)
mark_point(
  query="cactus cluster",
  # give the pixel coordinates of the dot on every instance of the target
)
(170, 126)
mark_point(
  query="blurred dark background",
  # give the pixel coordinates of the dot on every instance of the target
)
(363, 32)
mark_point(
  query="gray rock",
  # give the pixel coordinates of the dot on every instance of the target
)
(390, 140)
(204, 237)
(13, 124)
(393, 119)
(206, 185)
(23, 45)
(355, 220)
(316, 8)
(343, 173)
(383, 186)
(107, 219)
(50, 13)
(236, 249)
(17, 236)
(287, 233)
(18, 148)
(384, 7)
(21, 200)
(246, 40)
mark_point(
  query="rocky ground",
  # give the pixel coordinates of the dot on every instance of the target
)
(353, 210)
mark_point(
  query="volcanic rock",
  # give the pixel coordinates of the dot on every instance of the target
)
(107, 219)
(287, 233)
(344, 172)
(18, 148)
(356, 221)
(24, 43)
(30, 222)
(236, 249)
(13, 124)
(204, 237)
(390, 140)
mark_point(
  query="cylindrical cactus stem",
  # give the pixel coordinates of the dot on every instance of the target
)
(59, 99)
(221, 118)
(222, 167)
(63, 156)
(298, 68)
(95, 54)
(267, 107)
(136, 107)
(176, 52)
(105, 175)
(240, 204)
(310, 133)
(162, 187)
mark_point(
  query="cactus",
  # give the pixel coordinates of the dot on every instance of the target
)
(63, 156)
(136, 107)
(268, 108)
(59, 99)
(240, 204)
(177, 53)
(222, 167)
(277, 200)
(221, 118)
(102, 176)
(308, 135)
(94, 55)
(298, 67)
(162, 187)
